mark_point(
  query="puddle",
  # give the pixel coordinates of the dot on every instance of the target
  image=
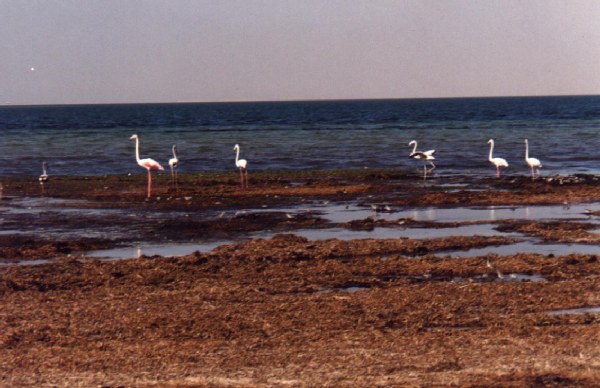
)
(510, 277)
(32, 205)
(393, 233)
(350, 289)
(348, 212)
(24, 262)
(582, 310)
(353, 289)
(165, 250)
(526, 247)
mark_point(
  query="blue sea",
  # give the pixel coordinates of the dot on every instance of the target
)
(563, 133)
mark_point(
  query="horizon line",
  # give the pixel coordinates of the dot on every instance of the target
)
(250, 101)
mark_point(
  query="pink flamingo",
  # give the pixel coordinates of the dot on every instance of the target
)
(147, 163)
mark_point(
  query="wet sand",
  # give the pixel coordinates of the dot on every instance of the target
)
(290, 311)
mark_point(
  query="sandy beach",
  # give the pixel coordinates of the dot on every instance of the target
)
(286, 310)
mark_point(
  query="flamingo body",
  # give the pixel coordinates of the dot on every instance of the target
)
(498, 162)
(150, 164)
(241, 163)
(147, 163)
(44, 177)
(173, 162)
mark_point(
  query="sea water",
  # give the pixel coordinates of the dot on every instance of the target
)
(94, 139)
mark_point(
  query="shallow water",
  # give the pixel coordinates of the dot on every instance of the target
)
(529, 246)
(166, 250)
(24, 262)
(180, 249)
(509, 277)
(581, 310)
(26, 215)
(348, 212)
(392, 233)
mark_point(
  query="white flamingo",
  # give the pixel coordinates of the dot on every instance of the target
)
(533, 163)
(425, 156)
(498, 162)
(241, 164)
(147, 163)
(44, 177)
(173, 162)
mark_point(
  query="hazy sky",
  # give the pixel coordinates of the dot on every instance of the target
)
(102, 51)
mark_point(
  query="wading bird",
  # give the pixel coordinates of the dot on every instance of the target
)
(498, 162)
(241, 164)
(173, 162)
(425, 156)
(533, 163)
(147, 163)
(44, 177)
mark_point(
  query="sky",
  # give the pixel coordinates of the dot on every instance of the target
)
(129, 51)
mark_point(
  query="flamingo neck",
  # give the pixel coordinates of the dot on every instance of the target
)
(414, 147)
(237, 155)
(174, 154)
(137, 149)
(526, 150)
(491, 150)
(44, 170)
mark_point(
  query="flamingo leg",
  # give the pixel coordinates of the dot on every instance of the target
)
(246, 177)
(424, 171)
(176, 183)
(242, 178)
(149, 183)
(497, 172)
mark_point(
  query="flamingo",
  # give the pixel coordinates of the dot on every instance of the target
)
(498, 162)
(44, 177)
(147, 163)
(533, 163)
(425, 156)
(241, 164)
(173, 162)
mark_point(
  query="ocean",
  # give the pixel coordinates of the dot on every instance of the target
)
(84, 140)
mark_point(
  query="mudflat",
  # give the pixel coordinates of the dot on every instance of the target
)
(289, 311)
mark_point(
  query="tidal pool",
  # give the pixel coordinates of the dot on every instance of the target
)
(165, 250)
(581, 310)
(529, 246)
